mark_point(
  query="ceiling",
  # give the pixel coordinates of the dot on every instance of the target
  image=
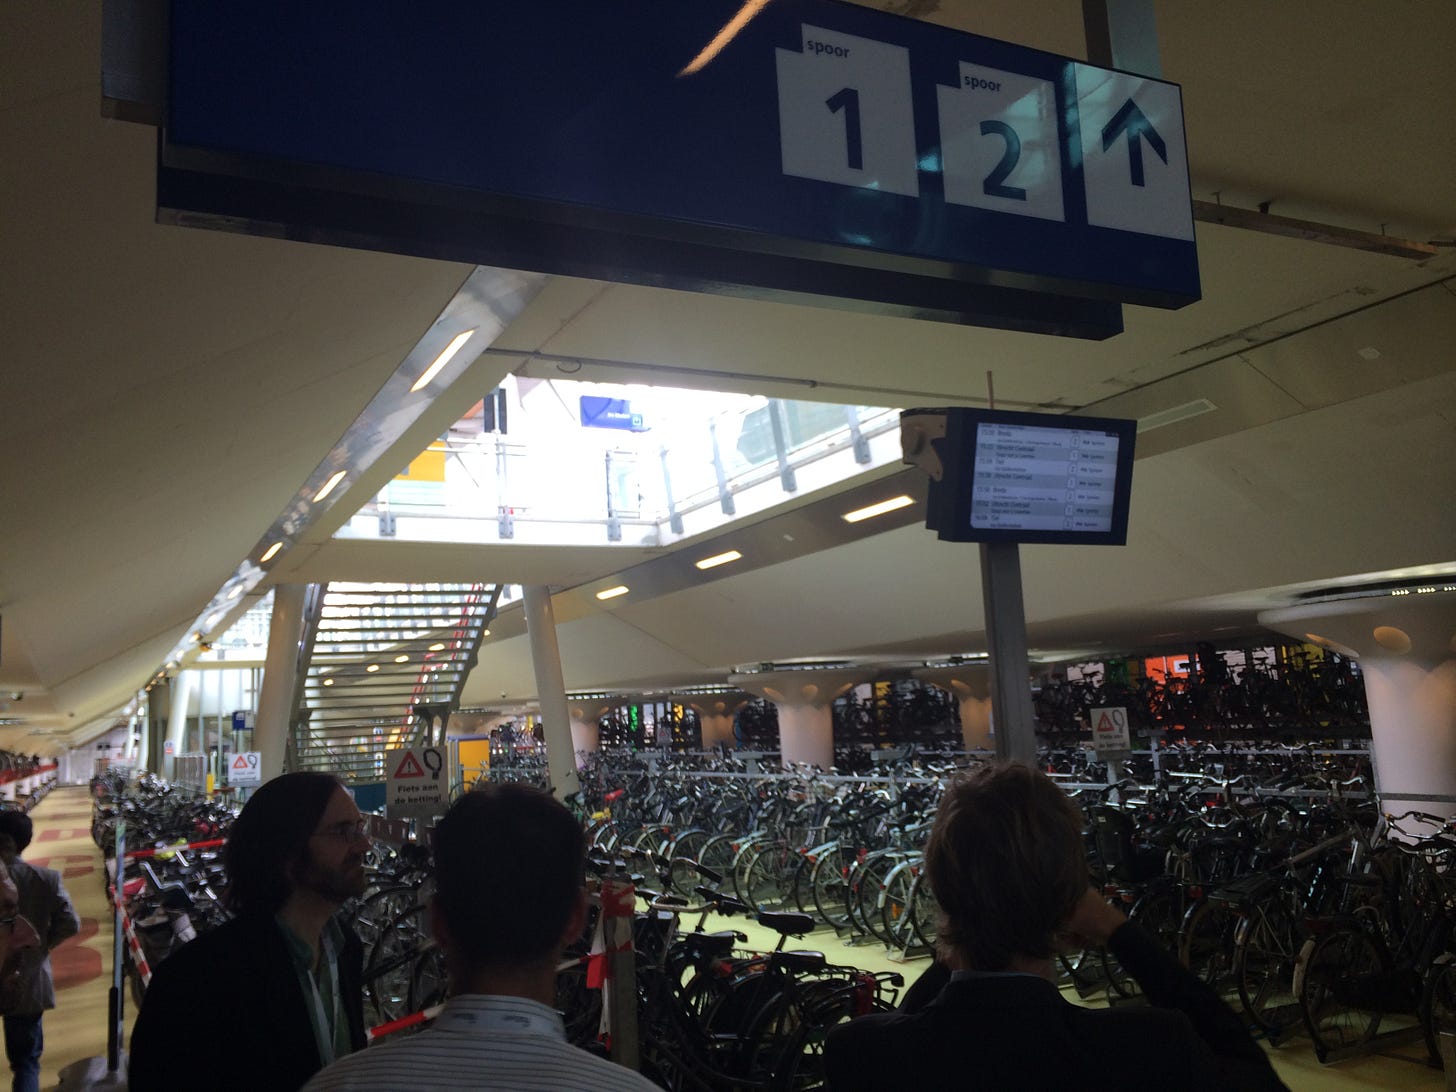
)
(165, 391)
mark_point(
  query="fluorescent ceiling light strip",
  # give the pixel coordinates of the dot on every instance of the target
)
(612, 593)
(880, 509)
(334, 479)
(446, 355)
(1197, 408)
(718, 559)
(270, 553)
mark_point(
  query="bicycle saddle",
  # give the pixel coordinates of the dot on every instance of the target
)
(787, 922)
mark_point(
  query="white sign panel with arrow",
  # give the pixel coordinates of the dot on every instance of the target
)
(1134, 161)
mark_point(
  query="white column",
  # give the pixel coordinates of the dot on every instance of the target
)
(280, 675)
(179, 698)
(1406, 646)
(551, 690)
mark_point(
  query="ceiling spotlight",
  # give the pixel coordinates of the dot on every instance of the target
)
(485, 633)
(612, 593)
(446, 355)
(270, 553)
(328, 682)
(401, 659)
(718, 559)
(372, 667)
(439, 646)
(880, 509)
(328, 487)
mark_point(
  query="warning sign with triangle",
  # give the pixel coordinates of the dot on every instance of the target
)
(409, 767)
(1105, 723)
(240, 763)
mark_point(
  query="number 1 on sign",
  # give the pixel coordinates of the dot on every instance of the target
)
(847, 99)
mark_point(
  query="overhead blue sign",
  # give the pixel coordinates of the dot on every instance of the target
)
(824, 146)
(599, 412)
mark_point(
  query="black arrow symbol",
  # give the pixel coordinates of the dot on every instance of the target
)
(1137, 126)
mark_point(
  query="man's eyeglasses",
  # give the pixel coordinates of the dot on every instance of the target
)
(350, 830)
(9, 923)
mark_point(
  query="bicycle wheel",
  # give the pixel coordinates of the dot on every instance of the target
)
(1336, 970)
(1265, 951)
(895, 905)
(763, 884)
(1206, 944)
(1160, 912)
(924, 911)
(828, 886)
(865, 884)
(390, 970)
(1438, 1006)
(717, 853)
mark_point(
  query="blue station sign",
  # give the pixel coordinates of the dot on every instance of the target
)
(598, 411)
(818, 149)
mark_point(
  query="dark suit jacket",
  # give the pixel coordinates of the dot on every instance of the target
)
(227, 1012)
(1018, 1032)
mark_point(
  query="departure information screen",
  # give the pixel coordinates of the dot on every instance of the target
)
(1029, 478)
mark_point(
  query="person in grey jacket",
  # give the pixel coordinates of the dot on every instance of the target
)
(44, 903)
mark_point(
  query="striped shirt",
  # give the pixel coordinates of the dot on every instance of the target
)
(484, 1042)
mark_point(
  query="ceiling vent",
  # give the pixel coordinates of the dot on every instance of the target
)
(1196, 408)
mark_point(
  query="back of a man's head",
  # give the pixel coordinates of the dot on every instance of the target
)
(508, 873)
(268, 837)
(1007, 864)
(15, 830)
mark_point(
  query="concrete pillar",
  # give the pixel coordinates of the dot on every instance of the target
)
(280, 678)
(804, 700)
(551, 690)
(178, 698)
(585, 714)
(715, 716)
(970, 685)
(1406, 648)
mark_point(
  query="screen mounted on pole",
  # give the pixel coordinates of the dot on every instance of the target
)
(1033, 477)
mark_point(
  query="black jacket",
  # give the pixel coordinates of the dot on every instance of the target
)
(227, 1012)
(1018, 1032)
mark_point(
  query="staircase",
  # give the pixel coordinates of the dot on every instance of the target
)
(382, 667)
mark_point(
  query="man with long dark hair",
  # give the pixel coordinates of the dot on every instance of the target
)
(280, 982)
(1006, 862)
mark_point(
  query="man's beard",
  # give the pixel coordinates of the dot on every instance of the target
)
(335, 884)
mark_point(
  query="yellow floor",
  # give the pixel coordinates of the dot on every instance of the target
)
(1404, 1069)
(76, 1029)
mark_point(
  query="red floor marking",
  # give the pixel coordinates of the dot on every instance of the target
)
(56, 834)
(71, 963)
(78, 870)
(68, 860)
(75, 966)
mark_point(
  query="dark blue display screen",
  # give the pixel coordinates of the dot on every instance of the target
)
(817, 121)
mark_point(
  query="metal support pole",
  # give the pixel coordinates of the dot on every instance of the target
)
(116, 1028)
(1122, 34)
(725, 495)
(280, 677)
(1006, 636)
(550, 690)
(856, 437)
(674, 517)
(781, 447)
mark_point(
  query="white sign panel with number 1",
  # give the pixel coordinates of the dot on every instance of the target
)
(845, 114)
(245, 768)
